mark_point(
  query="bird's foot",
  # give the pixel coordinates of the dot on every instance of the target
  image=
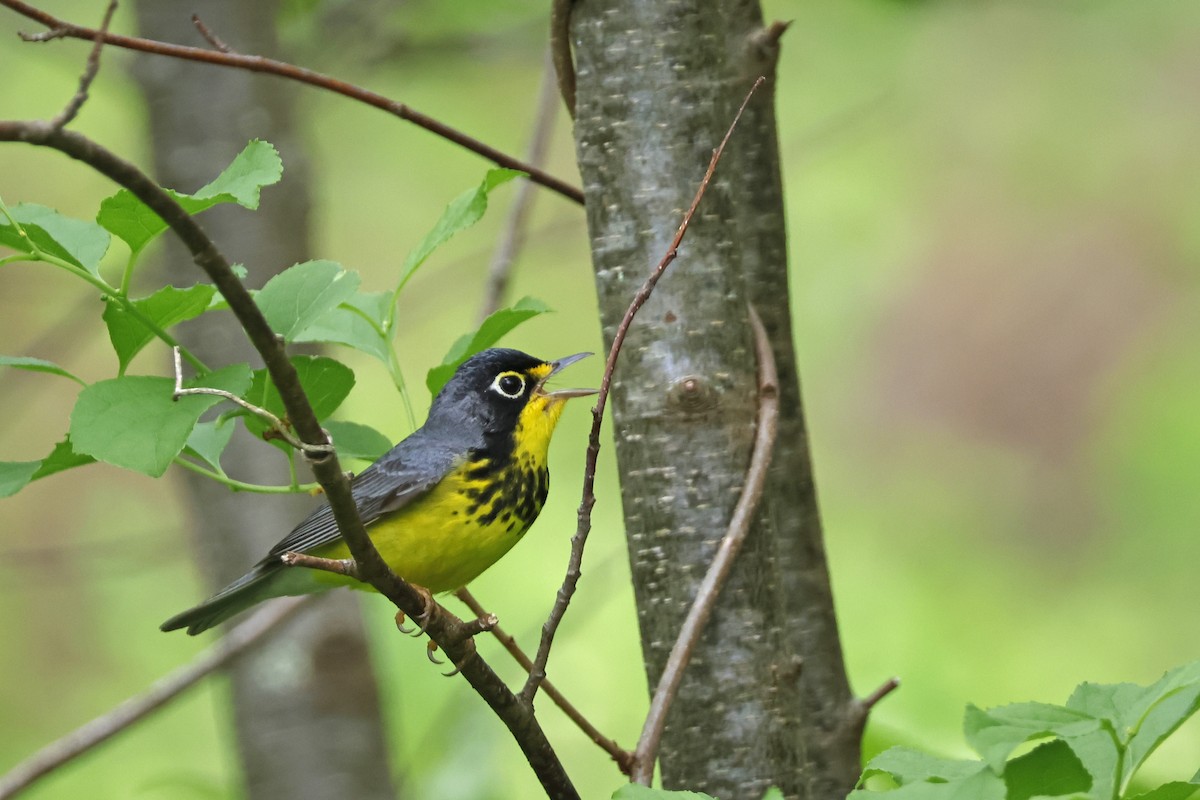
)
(427, 607)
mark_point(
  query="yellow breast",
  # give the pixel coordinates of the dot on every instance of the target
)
(473, 516)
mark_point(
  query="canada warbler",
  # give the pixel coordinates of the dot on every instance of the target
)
(444, 504)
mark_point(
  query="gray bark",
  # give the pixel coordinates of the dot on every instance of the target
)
(766, 700)
(305, 706)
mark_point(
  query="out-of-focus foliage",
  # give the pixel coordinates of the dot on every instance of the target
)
(995, 211)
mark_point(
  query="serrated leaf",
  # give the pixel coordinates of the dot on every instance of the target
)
(208, 441)
(1163, 706)
(131, 220)
(354, 440)
(132, 421)
(258, 165)
(37, 365)
(299, 296)
(1049, 769)
(356, 323)
(16, 475)
(74, 240)
(981, 785)
(633, 791)
(995, 733)
(1174, 790)
(62, 457)
(326, 382)
(907, 765)
(168, 306)
(462, 212)
(489, 332)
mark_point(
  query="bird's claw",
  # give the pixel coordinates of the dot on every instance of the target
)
(429, 653)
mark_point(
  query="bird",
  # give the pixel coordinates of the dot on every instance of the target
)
(441, 506)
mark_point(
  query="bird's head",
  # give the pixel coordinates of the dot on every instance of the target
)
(504, 390)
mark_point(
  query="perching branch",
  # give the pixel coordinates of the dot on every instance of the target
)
(59, 28)
(237, 641)
(538, 673)
(718, 572)
(443, 627)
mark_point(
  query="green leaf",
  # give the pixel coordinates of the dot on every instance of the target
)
(208, 440)
(1050, 769)
(325, 381)
(258, 165)
(132, 421)
(774, 793)
(168, 306)
(37, 365)
(296, 298)
(356, 323)
(353, 440)
(490, 332)
(131, 220)
(906, 765)
(980, 785)
(633, 791)
(994, 734)
(1175, 790)
(74, 240)
(16, 475)
(62, 457)
(1164, 706)
(463, 212)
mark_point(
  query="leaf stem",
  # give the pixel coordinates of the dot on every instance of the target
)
(241, 486)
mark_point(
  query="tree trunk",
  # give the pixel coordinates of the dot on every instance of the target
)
(305, 706)
(766, 700)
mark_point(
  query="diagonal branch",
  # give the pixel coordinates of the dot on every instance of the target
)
(443, 627)
(59, 28)
(538, 673)
(718, 572)
(237, 641)
(89, 73)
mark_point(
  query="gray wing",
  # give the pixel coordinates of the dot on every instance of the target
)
(404, 473)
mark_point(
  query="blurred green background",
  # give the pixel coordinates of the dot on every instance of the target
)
(995, 227)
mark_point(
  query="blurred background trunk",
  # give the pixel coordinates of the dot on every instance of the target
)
(305, 705)
(766, 700)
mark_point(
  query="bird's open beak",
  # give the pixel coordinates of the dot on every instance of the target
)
(564, 394)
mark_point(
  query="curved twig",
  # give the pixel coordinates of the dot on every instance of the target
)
(59, 28)
(538, 673)
(718, 572)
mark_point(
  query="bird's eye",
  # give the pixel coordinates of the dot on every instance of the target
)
(509, 384)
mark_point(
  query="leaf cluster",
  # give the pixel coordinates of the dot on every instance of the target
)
(1094, 744)
(137, 421)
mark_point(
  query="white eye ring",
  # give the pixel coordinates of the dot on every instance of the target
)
(509, 384)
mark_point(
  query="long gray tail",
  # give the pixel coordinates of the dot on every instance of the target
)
(252, 588)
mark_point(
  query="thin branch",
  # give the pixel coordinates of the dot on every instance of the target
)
(442, 626)
(89, 73)
(517, 220)
(235, 643)
(279, 427)
(538, 673)
(623, 757)
(209, 36)
(60, 28)
(718, 572)
(338, 566)
(870, 701)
